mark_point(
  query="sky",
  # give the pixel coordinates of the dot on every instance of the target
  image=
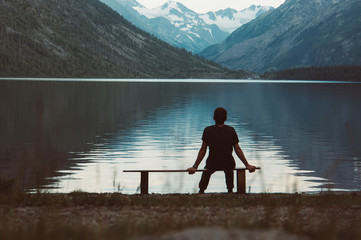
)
(202, 6)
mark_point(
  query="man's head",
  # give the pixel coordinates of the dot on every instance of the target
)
(220, 115)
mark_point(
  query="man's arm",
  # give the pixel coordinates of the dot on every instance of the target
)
(201, 154)
(241, 156)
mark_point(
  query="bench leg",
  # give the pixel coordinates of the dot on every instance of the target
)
(144, 176)
(241, 181)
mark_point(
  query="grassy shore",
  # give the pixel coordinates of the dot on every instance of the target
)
(81, 215)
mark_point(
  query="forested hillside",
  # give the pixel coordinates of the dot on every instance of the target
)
(85, 38)
(336, 73)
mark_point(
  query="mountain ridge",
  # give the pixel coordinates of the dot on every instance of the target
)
(297, 34)
(230, 19)
(176, 24)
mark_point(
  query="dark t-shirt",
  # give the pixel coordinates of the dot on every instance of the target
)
(220, 141)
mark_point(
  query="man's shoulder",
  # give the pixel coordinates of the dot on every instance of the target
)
(214, 127)
(210, 127)
(229, 128)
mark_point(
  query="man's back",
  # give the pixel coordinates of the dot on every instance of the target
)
(220, 141)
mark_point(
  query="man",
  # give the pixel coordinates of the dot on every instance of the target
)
(221, 140)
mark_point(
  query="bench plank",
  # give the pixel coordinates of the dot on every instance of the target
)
(144, 178)
(198, 170)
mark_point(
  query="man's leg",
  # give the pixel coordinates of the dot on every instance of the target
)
(203, 183)
(229, 179)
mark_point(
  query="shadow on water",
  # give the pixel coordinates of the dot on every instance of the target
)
(312, 128)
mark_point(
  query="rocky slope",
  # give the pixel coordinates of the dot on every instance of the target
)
(297, 34)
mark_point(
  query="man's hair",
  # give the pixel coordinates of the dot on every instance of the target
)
(220, 115)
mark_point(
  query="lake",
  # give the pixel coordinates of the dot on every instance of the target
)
(63, 135)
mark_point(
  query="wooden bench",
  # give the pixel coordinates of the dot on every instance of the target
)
(144, 178)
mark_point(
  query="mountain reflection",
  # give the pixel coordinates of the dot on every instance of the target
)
(81, 135)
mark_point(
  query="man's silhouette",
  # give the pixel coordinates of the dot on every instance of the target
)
(221, 140)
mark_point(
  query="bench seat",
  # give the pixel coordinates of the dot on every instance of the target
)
(144, 178)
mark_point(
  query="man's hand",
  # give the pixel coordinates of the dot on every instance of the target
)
(251, 168)
(191, 170)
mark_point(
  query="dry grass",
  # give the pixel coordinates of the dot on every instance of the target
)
(81, 215)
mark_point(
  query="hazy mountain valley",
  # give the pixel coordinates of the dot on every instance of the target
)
(178, 25)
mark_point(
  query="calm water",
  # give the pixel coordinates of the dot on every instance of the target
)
(70, 135)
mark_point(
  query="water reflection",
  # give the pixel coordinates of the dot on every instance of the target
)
(306, 137)
(45, 123)
(171, 142)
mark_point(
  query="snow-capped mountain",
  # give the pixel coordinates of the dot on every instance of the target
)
(230, 19)
(182, 27)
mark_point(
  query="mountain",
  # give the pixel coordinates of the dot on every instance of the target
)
(182, 27)
(230, 19)
(299, 33)
(172, 22)
(86, 38)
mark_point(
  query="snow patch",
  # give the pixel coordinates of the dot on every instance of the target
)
(190, 37)
(210, 32)
(229, 20)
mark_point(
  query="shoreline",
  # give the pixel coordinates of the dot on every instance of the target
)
(176, 80)
(83, 215)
